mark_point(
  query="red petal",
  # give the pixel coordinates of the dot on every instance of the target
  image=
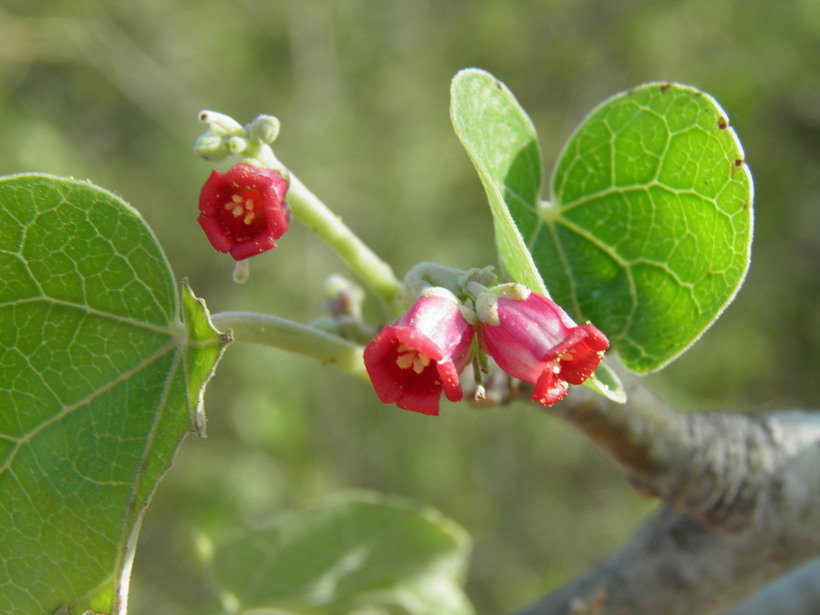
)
(448, 374)
(390, 381)
(416, 340)
(550, 389)
(578, 363)
(213, 193)
(420, 398)
(252, 247)
(215, 233)
(276, 217)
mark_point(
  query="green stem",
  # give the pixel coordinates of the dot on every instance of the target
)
(313, 213)
(294, 337)
(426, 274)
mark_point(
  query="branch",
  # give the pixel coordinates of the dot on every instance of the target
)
(294, 337)
(797, 593)
(740, 505)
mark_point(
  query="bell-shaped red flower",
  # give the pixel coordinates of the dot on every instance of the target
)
(413, 360)
(533, 339)
(243, 211)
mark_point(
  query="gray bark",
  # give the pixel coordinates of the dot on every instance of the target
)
(740, 509)
(795, 594)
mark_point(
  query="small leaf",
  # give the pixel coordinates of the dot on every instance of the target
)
(99, 382)
(361, 551)
(649, 232)
(501, 142)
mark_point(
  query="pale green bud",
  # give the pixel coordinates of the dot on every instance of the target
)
(265, 128)
(343, 297)
(221, 124)
(211, 146)
(237, 145)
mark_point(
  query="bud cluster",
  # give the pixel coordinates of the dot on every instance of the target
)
(225, 136)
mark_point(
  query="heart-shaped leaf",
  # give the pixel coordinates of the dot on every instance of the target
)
(650, 227)
(99, 382)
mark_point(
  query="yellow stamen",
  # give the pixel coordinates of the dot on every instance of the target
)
(405, 360)
(410, 358)
(249, 217)
(237, 211)
(420, 362)
(249, 204)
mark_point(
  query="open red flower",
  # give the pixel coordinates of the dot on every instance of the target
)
(413, 360)
(533, 339)
(243, 211)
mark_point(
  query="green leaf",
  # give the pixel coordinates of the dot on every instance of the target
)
(650, 228)
(501, 142)
(99, 382)
(363, 551)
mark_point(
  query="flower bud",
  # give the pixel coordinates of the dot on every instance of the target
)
(343, 298)
(221, 124)
(211, 146)
(265, 128)
(237, 145)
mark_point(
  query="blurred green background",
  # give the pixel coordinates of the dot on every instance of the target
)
(110, 91)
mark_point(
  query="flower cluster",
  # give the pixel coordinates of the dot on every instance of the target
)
(455, 320)
(413, 361)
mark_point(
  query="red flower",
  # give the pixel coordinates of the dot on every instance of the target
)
(243, 211)
(534, 340)
(413, 360)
